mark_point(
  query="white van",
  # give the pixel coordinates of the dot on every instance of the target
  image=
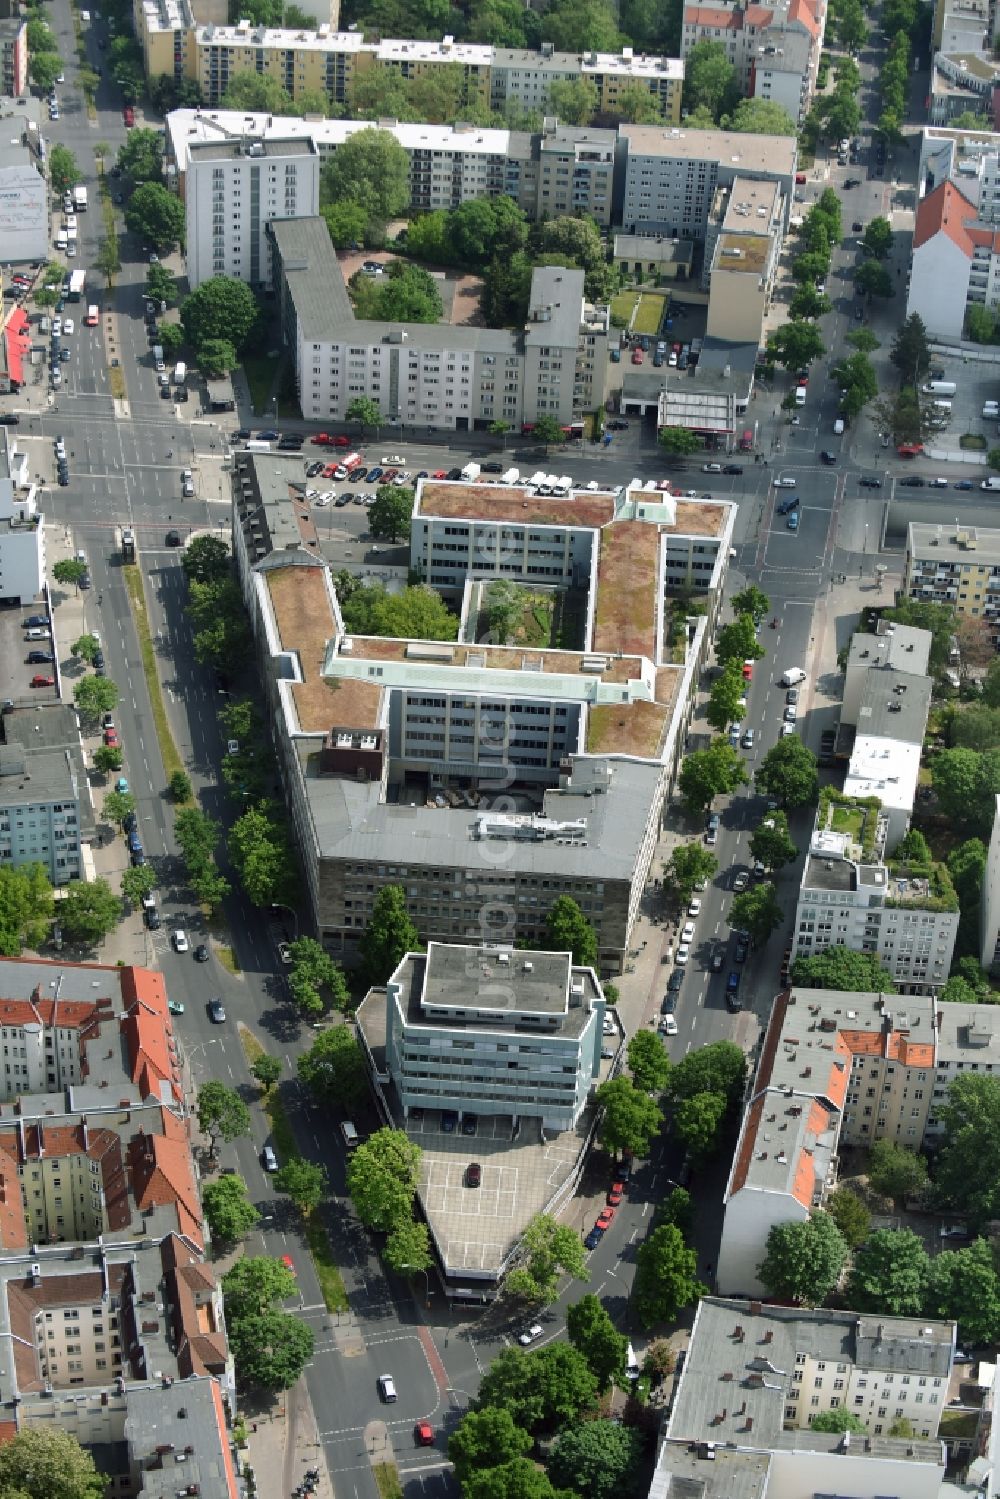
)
(793, 676)
(993, 483)
(349, 1134)
(631, 1363)
(61, 241)
(800, 395)
(838, 425)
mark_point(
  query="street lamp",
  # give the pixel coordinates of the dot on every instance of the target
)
(277, 905)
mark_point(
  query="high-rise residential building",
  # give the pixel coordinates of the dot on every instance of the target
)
(671, 176)
(775, 49)
(234, 190)
(958, 565)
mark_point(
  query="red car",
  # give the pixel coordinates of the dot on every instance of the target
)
(329, 471)
(440, 473)
(322, 440)
(747, 670)
(110, 735)
(636, 356)
(390, 474)
(605, 1219)
(288, 1263)
(43, 681)
(423, 1434)
(342, 442)
(616, 1193)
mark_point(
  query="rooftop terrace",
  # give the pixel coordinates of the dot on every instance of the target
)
(496, 502)
(626, 613)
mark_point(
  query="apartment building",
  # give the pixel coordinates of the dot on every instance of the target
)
(436, 375)
(956, 565)
(775, 49)
(968, 1041)
(755, 1375)
(963, 79)
(970, 159)
(41, 792)
(394, 752)
(835, 1069)
(955, 261)
(742, 250)
(14, 57)
(452, 1019)
(234, 189)
(888, 742)
(329, 60)
(22, 525)
(853, 895)
(902, 648)
(670, 177)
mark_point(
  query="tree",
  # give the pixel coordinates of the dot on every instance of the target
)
(372, 170)
(838, 967)
(389, 935)
(962, 1284)
(568, 930)
(889, 1276)
(665, 1277)
(255, 1285)
(156, 214)
(304, 1181)
(313, 969)
(580, 25)
(48, 1464)
(44, 69)
(543, 1390)
(69, 570)
(346, 223)
(719, 1068)
(253, 93)
(710, 80)
(216, 357)
(486, 1438)
(679, 441)
(737, 642)
(141, 156)
(382, 1179)
(88, 911)
(894, 1171)
(630, 1117)
(26, 907)
(261, 851)
(94, 696)
(271, 1350)
(266, 1069)
(850, 1215)
(118, 805)
(864, 340)
(648, 1062)
(753, 601)
(108, 757)
(678, 1210)
(519, 1479)
(179, 786)
(967, 1164)
(877, 242)
(871, 279)
(548, 1247)
(222, 1114)
(405, 294)
(365, 412)
(837, 1420)
(221, 307)
(698, 1124)
(857, 375)
(206, 559)
(706, 774)
(333, 1068)
(793, 344)
(688, 866)
(389, 517)
(160, 285)
(637, 105)
(172, 340)
(591, 1332)
(760, 117)
(229, 1211)
(63, 170)
(547, 430)
(597, 1458)
(726, 701)
(408, 1248)
(137, 883)
(196, 834)
(771, 843)
(757, 911)
(574, 100)
(803, 1261)
(808, 302)
(788, 772)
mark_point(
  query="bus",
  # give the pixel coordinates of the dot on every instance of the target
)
(77, 283)
(93, 316)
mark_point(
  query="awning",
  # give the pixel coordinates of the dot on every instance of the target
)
(17, 344)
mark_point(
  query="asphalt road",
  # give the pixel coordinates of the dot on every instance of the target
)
(129, 469)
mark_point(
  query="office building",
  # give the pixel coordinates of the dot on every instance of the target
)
(835, 1069)
(957, 565)
(775, 49)
(234, 189)
(454, 1018)
(963, 81)
(394, 752)
(436, 374)
(671, 177)
(24, 205)
(755, 1375)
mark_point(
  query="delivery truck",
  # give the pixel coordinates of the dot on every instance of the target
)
(180, 372)
(80, 198)
(940, 388)
(471, 472)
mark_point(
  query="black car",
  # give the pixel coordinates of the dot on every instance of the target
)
(63, 480)
(742, 947)
(593, 1238)
(454, 473)
(675, 980)
(867, 483)
(85, 581)
(164, 392)
(201, 954)
(129, 822)
(9, 419)
(174, 539)
(359, 475)
(314, 469)
(216, 1011)
(153, 920)
(99, 660)
(668, 1004)
(787, 506)
(618, 425)
(857, 226)
(242, 434)
(732, 468)
(492, 468)
(827, 456)
(39, 658)
(913, 483)
(468, 1124)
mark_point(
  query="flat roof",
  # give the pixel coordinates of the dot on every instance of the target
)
(496, 502)
(750, 201)
(902, 646)
(730, 148)
(305, 623)
(626, 612)
(313, 275)
(972, 546)
(264, 147)
(894, 705)
(741, 253)
(455, 977)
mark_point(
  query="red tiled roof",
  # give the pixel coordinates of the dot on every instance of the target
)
(161, 1171)
(146, 1032)
(13, 1229)
(758, 16)
(801, 10)
(714, 17)
(945, 211)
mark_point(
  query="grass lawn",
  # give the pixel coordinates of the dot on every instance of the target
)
(260, 372)
(168, 750)
(848, 820)
(972, 442)
(650, 314)
(535, 628)
(622, 304)
(387, 1481)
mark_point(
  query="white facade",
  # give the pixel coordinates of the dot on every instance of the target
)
(24, 209)
(989, 931)
(939, 286)
(40, 815)
(671, 176)
(22, 529)
(233, 191)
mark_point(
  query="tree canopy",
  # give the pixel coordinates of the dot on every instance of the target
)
(220, 308)
(592, 1332)
(156, 214)
(630, 1118)
(666, 1277)
(389, 935)
(788, 772)
(568, 930)
(648, 1062)
(405, 294)
(485, 1439)
(26, 908)
(708, 773)
(596, 1458)
(417, 612)
(967, 1163)
(333, 1068)
(548, 1248)
(838, 967)
(803, 1260)
(688, 865)
(38, 1463)
(889, 1274)
(229, 1211)
(542, 1390)
(372, 170)
(382, 1178)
